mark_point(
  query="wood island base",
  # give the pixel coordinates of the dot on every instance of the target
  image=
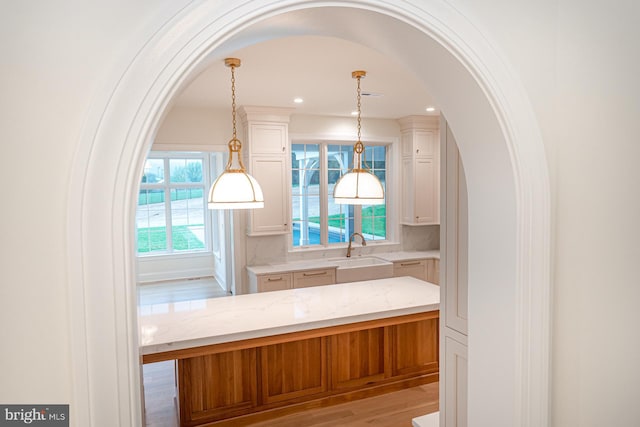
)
(243, 382)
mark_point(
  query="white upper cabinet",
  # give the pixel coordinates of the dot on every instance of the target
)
(269, 138)
(420, 170)
(266, 154)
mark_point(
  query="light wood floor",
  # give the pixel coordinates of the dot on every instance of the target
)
(395, 409)
(179, 290)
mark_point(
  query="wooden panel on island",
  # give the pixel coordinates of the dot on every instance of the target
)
(219, 386)
(359, 358)
(242, 382)
(293, 369)
(408, 359)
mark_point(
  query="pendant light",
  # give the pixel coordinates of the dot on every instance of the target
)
(359, 186)
(235, 188)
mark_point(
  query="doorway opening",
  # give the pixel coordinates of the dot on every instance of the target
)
(499, 142)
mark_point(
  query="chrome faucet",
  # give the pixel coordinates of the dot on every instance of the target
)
(364, 242)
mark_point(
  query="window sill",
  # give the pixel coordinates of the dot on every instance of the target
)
(203, 253)
(329, 251)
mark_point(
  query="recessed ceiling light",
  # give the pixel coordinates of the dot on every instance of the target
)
(298, 100)
(354, 113)
(431, 109)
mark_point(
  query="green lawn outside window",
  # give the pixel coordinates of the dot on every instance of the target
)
(155, 239)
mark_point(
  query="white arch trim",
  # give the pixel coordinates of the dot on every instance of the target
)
(117, 136)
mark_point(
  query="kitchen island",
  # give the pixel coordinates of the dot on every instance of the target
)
(251, 357)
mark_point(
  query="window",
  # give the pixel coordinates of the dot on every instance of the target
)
(171, 212)
(317, 219)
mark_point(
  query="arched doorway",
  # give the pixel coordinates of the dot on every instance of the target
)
(498, 139)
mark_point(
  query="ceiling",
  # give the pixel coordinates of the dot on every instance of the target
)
(316, 69)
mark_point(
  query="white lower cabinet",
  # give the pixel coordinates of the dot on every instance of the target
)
(455, 385)
(291, 280)
(414, 268)
(423, 269)
(306, 279)
(273, 282)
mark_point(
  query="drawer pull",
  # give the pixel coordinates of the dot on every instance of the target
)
(275, 279)
(407, 264)
(317, 273)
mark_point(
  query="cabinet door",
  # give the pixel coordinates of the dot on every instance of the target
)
(408, 192)
(455, 247)
(415, 347)
(293, 369)
(415, 268)
(359, 358)
(455, 387)
(426, 209)
(424, 143)
(217, 386)
(268, 138)
(270, 172)
(274, 282)
(305, 279)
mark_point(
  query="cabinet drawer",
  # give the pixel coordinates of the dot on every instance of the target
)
(305, 279)
(416, 268)
(274, 282)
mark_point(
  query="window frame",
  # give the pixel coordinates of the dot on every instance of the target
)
(324, 144)
(167, 186)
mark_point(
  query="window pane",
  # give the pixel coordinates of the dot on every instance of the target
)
(185, 170)
(374, 218)
(171, 218)
(341, 217)
(187, 219)
(151, 222)
(305, 194)
(153, 171)
(374, 222)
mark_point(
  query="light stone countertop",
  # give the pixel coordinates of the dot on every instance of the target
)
(408, 255)
(312, 264)
(188, 324)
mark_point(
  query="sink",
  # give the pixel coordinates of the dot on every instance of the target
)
(362, 268)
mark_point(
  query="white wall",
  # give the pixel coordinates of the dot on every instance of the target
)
(596, 350)
(55, 57)
(579, 61)
(192, 126)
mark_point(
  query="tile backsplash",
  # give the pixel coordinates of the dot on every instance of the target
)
(262, 250)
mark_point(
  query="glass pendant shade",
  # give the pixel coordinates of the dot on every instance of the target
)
(358, 186)
(235, 188)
